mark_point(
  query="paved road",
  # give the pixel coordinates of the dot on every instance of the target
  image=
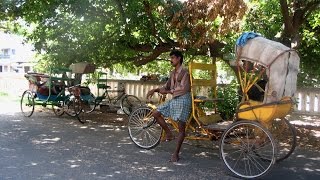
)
(48, 147)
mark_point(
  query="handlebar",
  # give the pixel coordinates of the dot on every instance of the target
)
(161, 99)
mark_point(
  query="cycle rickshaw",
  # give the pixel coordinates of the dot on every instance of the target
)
(45, 90)
(259, 135)
(58, 90)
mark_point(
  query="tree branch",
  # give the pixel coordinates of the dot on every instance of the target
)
(161, 48)
(148, 10)
(301, 15)
(123, 16)
(287, 19)
(310, 8)
(141, 47)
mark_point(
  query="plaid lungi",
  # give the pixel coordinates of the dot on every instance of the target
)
(177, 108)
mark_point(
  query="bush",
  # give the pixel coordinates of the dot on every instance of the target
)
(229, 93)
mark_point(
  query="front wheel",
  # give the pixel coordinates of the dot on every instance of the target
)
(73, 106)
(89, 103)
(130, 103)
(58, 108)
(247, 149)
(27, 103)
(143, 129)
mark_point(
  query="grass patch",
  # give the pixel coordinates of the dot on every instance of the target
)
(4, 94)
(5, 97)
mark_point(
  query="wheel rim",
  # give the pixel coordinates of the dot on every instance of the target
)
(27, 103)
(58, 108)
(143, 129)
(72, 106)
(284, 135)
(129, 104)
(247, 149)
(89, 104)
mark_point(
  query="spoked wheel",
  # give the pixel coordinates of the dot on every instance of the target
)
(247, 149)
(285, 138)
(144, 131)
(73, 106)
(58, 108)
(27, 103)
(130, 103)
(89, 103)
(79, 111)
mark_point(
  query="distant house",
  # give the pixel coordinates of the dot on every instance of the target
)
(15, 56)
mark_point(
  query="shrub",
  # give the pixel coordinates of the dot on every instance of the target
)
(229, 94)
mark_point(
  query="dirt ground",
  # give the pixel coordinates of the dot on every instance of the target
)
(307, 127)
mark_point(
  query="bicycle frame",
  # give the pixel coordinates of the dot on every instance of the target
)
(112, 100)
(190, 125)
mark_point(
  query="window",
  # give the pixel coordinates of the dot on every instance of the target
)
(13, 51)
(5, 51)
(26, 69)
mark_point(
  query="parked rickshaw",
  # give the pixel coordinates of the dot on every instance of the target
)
(59, 90)
(259, 135)
(45, 90)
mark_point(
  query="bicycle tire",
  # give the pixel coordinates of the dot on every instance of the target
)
(143, 129)
(90, 104)
(58, 108)
(247, 149)
(27, 103)
(72, 106)
(285, 136)
(130, 103)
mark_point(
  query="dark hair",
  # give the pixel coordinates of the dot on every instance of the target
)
(177, 54)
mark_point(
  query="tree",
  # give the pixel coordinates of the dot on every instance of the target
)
(295, 13)
(110, 31)
(302, 21)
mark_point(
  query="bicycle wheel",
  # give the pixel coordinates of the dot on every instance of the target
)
(27, 103)
(73, 106)
(130, 103)
(143, 129)
(89, 103)
(58, 108)
(284, 135)
(247, 149)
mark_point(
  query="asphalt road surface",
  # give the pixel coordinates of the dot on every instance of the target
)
(48, 147)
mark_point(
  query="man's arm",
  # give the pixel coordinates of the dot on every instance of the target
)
(163, 90)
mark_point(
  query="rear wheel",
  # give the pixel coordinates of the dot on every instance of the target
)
(285, 138)
(27, 103)
(130, 103)
(247, 149)
(143, 129)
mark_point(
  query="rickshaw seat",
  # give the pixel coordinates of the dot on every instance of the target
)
(203, 89)
(265, 112)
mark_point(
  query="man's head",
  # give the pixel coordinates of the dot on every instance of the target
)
(175, 56)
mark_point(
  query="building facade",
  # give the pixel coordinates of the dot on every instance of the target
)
(15, 55)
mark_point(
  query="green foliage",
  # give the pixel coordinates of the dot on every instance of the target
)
(229, 94)
(119, 34)
(106, 32)
(264, 17)
(310, 52)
